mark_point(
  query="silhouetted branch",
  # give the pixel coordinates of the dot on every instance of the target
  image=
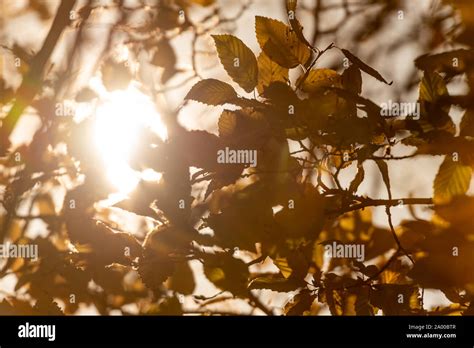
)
(32, 81)
(369, 202)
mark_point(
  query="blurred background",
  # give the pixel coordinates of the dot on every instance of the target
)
(124, 66)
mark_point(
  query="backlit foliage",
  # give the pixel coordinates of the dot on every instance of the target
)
(254, 232)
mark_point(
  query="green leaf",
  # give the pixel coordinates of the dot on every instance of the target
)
(212, 92)
(268, 72)
(280, 43)
(364, 67)
(238, 60)
(453, 179)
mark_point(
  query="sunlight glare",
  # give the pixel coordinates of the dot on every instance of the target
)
(119, 118)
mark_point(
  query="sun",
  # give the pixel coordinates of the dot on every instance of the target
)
(119, 117)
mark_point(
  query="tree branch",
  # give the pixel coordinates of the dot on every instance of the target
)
(369, 202)
(32, 81)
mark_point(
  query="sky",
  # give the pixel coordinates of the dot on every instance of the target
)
(391, 52)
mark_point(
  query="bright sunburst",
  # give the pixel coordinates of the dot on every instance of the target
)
(119, 118)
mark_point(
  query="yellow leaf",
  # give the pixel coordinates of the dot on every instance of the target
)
(280, 43)
(227, 123)
(45, 204)
(443, 62)
(268, 72)
(291, 5)
(319, 78)
(453, 179)
(16, 230)
(282, 264)
(215, 274)
(238, 60)
(227, 273)
(433, 87)
(212, 92)
(364, 67)
(182, 280)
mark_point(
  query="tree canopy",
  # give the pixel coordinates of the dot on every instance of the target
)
(275, 217)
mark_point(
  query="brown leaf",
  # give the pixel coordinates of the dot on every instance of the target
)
(212, 92)
(268, 72)
(364, 67)
(238, 60)
(280, 43)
